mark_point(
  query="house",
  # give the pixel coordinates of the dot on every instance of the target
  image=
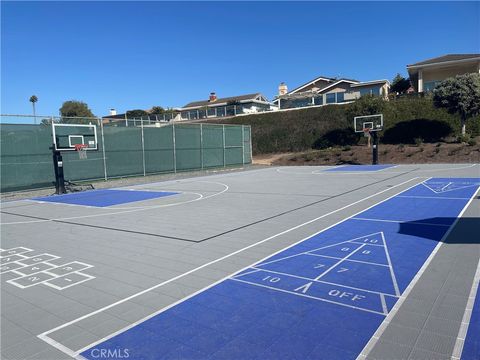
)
(121, 119)
(424, 75)
(223, 107)
(325, 90)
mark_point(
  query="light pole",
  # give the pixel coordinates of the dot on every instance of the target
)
(33, 100)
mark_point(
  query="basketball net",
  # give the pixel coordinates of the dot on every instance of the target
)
(82, 151)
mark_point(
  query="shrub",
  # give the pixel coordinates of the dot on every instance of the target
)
(463, 139)
(410, 132)
(300, 130)
(418, 141)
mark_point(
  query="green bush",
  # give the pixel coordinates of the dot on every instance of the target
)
(464, 139)
(332, 125)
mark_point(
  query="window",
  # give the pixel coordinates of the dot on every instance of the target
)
(331, 98)
(340, 97)
(220, 111)
(372, 90)
(428, 86)
(211, 111)
(318, 100)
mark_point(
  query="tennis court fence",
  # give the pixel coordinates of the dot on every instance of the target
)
(129, 148)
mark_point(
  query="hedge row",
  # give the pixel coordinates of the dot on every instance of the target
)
(406, 120)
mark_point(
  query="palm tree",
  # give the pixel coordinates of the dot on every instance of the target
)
(33, 100)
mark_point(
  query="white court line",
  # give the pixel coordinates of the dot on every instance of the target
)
(462, 333)
(433, 197)
(322, 172)
(443, 188)
(44, 336)
(401, 222)
(339, 262)
(309, 296)
(384, 304)
(316, 249)
(392, 273)
(317, 281)
(376, 336)
(111, 207)
(226, 187)
(350, 260)
(354, 172)
(248, 272)
(442, 191)
(87, 277)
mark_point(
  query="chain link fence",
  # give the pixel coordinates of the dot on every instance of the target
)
(126, 148)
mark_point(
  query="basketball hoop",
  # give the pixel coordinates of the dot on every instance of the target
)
(82, 151)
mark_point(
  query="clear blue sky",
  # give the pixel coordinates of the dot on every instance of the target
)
(128, 55)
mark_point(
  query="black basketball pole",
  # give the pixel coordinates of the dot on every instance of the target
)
(58, 168)
(374, 148)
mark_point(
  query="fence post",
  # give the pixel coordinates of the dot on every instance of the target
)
(251, 153)
(201, 144)
(103, 151)
(243, 144)
(143, 147)
(224, 163)
(174, 148)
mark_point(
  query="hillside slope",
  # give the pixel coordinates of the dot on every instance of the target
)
(407, 120)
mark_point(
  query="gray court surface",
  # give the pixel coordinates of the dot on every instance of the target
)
(106, 268)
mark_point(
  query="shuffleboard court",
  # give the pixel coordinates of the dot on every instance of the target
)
(273, 263)
(359, 168)
(321, 299)
(103, 198)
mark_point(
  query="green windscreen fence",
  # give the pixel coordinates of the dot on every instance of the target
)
(26, 157)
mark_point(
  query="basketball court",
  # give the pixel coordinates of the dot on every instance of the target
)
(339, 262)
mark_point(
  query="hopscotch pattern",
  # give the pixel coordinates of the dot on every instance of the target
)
(33, 270)
(356, 273)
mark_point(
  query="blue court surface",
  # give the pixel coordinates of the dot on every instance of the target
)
(355, 168)
(322, 298)
(471, 348)
(103, 198)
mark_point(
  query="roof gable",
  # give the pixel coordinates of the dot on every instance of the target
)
(446, 58)
(311, 82)
(253, 96)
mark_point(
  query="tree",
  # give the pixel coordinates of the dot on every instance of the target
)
(74, 108)
(399, 84)
(157, 110)
(459, 95)
(365, 105)
(33, 100)
(137, 113)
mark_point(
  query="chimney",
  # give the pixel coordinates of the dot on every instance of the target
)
(282, 89)
(213, 97)
(113, 112)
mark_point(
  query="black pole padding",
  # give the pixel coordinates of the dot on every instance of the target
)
(375, 148)
(58, 169)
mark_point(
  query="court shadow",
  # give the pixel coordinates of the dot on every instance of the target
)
(465, 231)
